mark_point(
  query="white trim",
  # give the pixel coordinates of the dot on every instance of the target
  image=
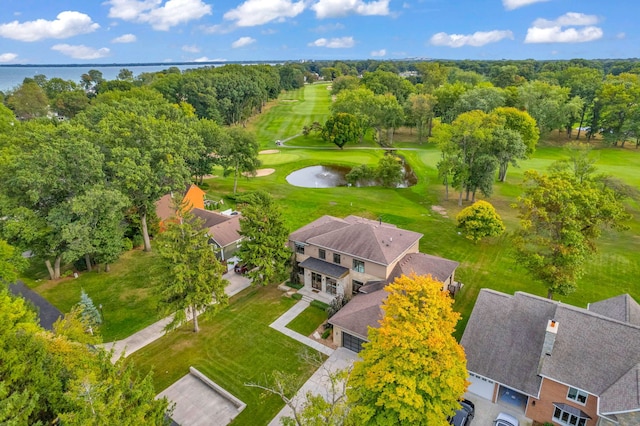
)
(566, 384)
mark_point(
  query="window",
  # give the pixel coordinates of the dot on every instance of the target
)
(356, 286)
(336, 258)
(322, 254)
(299, 270)
(332, 286)
(577, 395)
(316, 281)
(358, 265)
(568, 419)
(299, 248)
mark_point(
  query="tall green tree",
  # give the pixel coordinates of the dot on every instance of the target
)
(192, 282)
(340, 129)
(412, 370)
(240, 154)
(10, 262)
(419, 109)
(618, 99)
(560, 221)
(265, 237)
(28, 101)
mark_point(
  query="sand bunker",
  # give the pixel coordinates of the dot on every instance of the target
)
(269, 151)
(262, 172)
(440, 209)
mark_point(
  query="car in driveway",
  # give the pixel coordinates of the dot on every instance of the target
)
(241, 268)
(505, 419)
(464, 415)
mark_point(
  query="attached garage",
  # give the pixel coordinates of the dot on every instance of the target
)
(481, 386)
(352, 342)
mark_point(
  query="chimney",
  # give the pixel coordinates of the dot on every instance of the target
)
(549, 340)
(550, 337)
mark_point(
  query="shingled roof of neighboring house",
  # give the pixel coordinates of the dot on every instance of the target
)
(362, 311)
(371, 240)
(223, 229)
(621, 308)
(596, 353)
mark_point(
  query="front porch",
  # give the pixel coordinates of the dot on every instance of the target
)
(322, 280)
(309, 294)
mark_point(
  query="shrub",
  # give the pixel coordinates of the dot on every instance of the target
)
(296, 296)
(318, 304)
(326, 333)
(297, 286)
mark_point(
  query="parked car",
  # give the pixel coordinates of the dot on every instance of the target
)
(241, 268)
(505, 419)
(464, 415)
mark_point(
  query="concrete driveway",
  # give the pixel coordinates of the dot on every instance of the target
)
(487, 411)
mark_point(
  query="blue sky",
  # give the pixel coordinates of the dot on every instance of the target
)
(139, 31)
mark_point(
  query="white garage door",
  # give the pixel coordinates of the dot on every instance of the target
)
(481, 386)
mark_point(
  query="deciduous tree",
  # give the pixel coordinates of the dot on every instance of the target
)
(341, 128)
(480, 220)
(240, 154)
(412, 371)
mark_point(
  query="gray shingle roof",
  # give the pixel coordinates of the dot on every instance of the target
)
(362, 311)
(424, 264)
(223, 229)
(371, 240)
(503, 341)
(622, 308)
(623, 395)
(325, 268)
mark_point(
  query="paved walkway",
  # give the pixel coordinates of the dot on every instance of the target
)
(142, 338)
(281, 323)
(318, 383)
(47, 313)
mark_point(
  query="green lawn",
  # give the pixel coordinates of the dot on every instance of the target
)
(308, 320)
(233, 347)
(126, 293)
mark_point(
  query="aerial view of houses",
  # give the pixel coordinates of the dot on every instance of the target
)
(395, 240)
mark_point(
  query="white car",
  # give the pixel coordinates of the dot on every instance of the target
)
(505, 419)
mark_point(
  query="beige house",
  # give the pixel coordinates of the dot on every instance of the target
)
(355, 258)
(555, 362)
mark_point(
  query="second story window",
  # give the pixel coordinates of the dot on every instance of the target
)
(299, 248)
(358, 265)
(336, 258)
(577, 395)
(322, 254)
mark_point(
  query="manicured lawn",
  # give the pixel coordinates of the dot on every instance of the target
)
(308, 320)
(233, 347)
(129, 301)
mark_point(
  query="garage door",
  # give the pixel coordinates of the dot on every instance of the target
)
(351, 342)
(481, 386)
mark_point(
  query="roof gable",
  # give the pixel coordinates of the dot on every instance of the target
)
(424, 264)
(622, 308)
(624, 394)
(362, 311)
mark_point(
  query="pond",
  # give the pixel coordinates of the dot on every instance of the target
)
(332, 176)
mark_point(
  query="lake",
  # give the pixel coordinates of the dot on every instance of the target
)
(11, 76)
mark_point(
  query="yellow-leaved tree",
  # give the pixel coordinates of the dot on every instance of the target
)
(412, 370)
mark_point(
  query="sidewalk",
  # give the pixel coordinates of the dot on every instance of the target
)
(281, 325)
(142, 338)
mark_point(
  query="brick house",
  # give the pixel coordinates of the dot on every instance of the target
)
(555, 362)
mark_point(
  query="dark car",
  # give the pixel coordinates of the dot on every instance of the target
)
(464, 415)
(240, 268)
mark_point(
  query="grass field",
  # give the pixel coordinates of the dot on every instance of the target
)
(308, 320)
(234, 347)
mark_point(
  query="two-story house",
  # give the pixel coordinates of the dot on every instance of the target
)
(336, 257)
(555, 362)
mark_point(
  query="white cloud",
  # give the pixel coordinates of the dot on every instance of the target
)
(160, 16)
(381, 52)
(334, 43)
(479, 38)
(125, 38)
(258, 12)
(191, 49)
(67, 24)
(7, 57)
(338, 8)
(216, 29)
(243, 41)
(514, 4)
(545, 31)
(81, 51)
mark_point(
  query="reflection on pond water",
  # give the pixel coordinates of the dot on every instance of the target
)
(332, 176)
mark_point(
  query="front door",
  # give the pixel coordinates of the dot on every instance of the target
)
(316, 281)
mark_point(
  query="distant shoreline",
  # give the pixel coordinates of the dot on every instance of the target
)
(136, 64)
